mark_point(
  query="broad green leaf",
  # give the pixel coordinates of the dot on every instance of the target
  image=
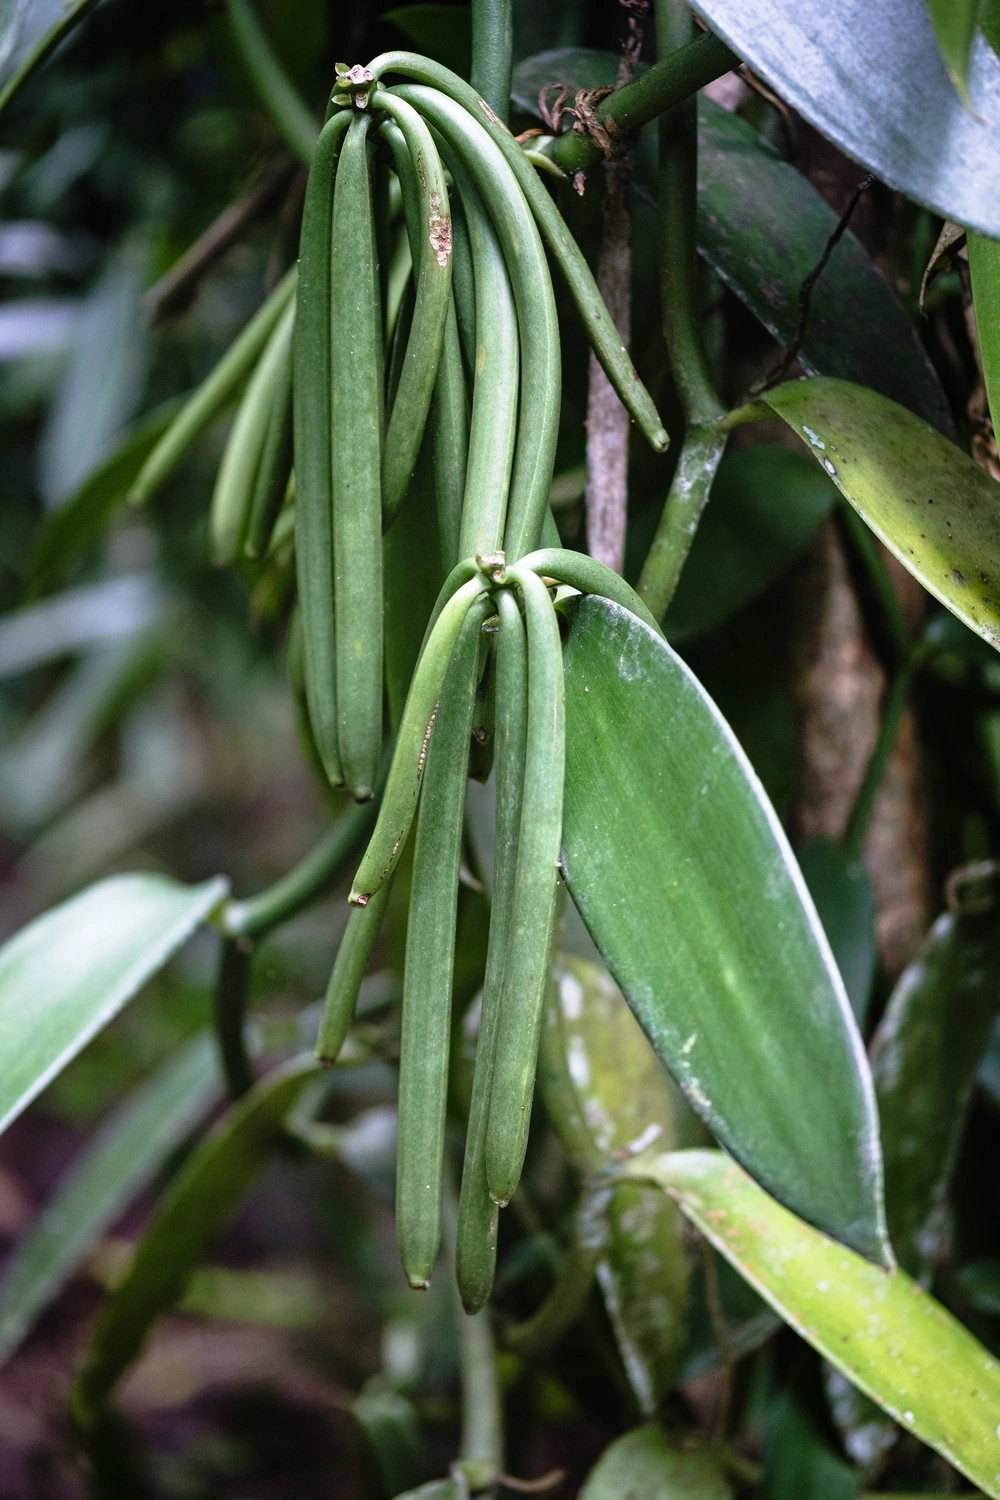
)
(882, 1331)
(648, 1463)
(122, 1159)
(762, 227)
(800, 1462)
(872, 80)
(68, 531)
(842, 891)
(955, 26)
(199, 1202)
(680, 869)
(765, 504)
(442, 32)
(929, 502)
(984, 270)
(608, 1096)
(23, 59)
(924, 1055)
(67, 974)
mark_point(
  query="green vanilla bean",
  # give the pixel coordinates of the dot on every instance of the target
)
(686, 499)
(451, 440)
(589, 576)
(312, 387)
(402, 789)
(232, 986)
(674, 78)
(430, 962)
(348, 971)
(492, 53)
(274, 470)
(494, 394)
(432, 269)
(463, 285)
(355, 445)
(476, 1247)
(539, 841)
(233, 496)
(597, 321)
(537, 324)
(288, 111)
(218, 388)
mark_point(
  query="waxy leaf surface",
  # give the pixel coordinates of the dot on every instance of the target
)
(198, 1203)
(887, 1335)
(122, 1159)
(955, 26)
(683, 875)
(64, 976)
(931, 505)
(872, 80)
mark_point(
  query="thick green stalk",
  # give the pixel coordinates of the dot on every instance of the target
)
(589, 576)
(492, 53)
(290, 114)
(676, 76)
(230, 1003)
(686, 499)
(562, 1307)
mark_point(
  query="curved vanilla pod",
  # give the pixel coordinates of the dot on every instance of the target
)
(356, 457)
(597, 321)
(348, 971)
(402, 789)
(527, 957)
(590, 577)
(495, 386)
(275, 467)
(430, 962)
(432, 273)
(537, 324)
(463, 286)
(233, 495)
(477, 1213)
(450, 431)
(312, 385)
(208, 399)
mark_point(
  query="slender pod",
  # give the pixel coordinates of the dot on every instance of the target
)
(355, 447)
(430, 962)
(590, 577)
(463, 284)
(232, 498)
(275, 467)
(312, 351)
(597, 321)
(537, 324)
(402, 789)
(432, 261)
(211, 396)
(348, 971)
(477, 1213)
(527, 957)
(495, 383)
(451, 440)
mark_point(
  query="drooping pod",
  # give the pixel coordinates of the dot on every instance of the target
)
(312, 385)
(430, 961)
(274, 471)
(348, 971)
(539, 839)
(477, 1213)
(356, 455)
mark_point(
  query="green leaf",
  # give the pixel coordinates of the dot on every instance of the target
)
(955, 27)
(842, 891)
(442, 32)
(608, 1096)
(989, 21)
(872, 80)
(762, 227)
(765, 504)
(925, 1055)
(81, 519)
(648, 1463)
(22, 62)
(122, 1159)
(887, 1335)
(984, 270)
(67, 974)
(800, 1462)
(681, 871)
(200, 1200)
(928, 501)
